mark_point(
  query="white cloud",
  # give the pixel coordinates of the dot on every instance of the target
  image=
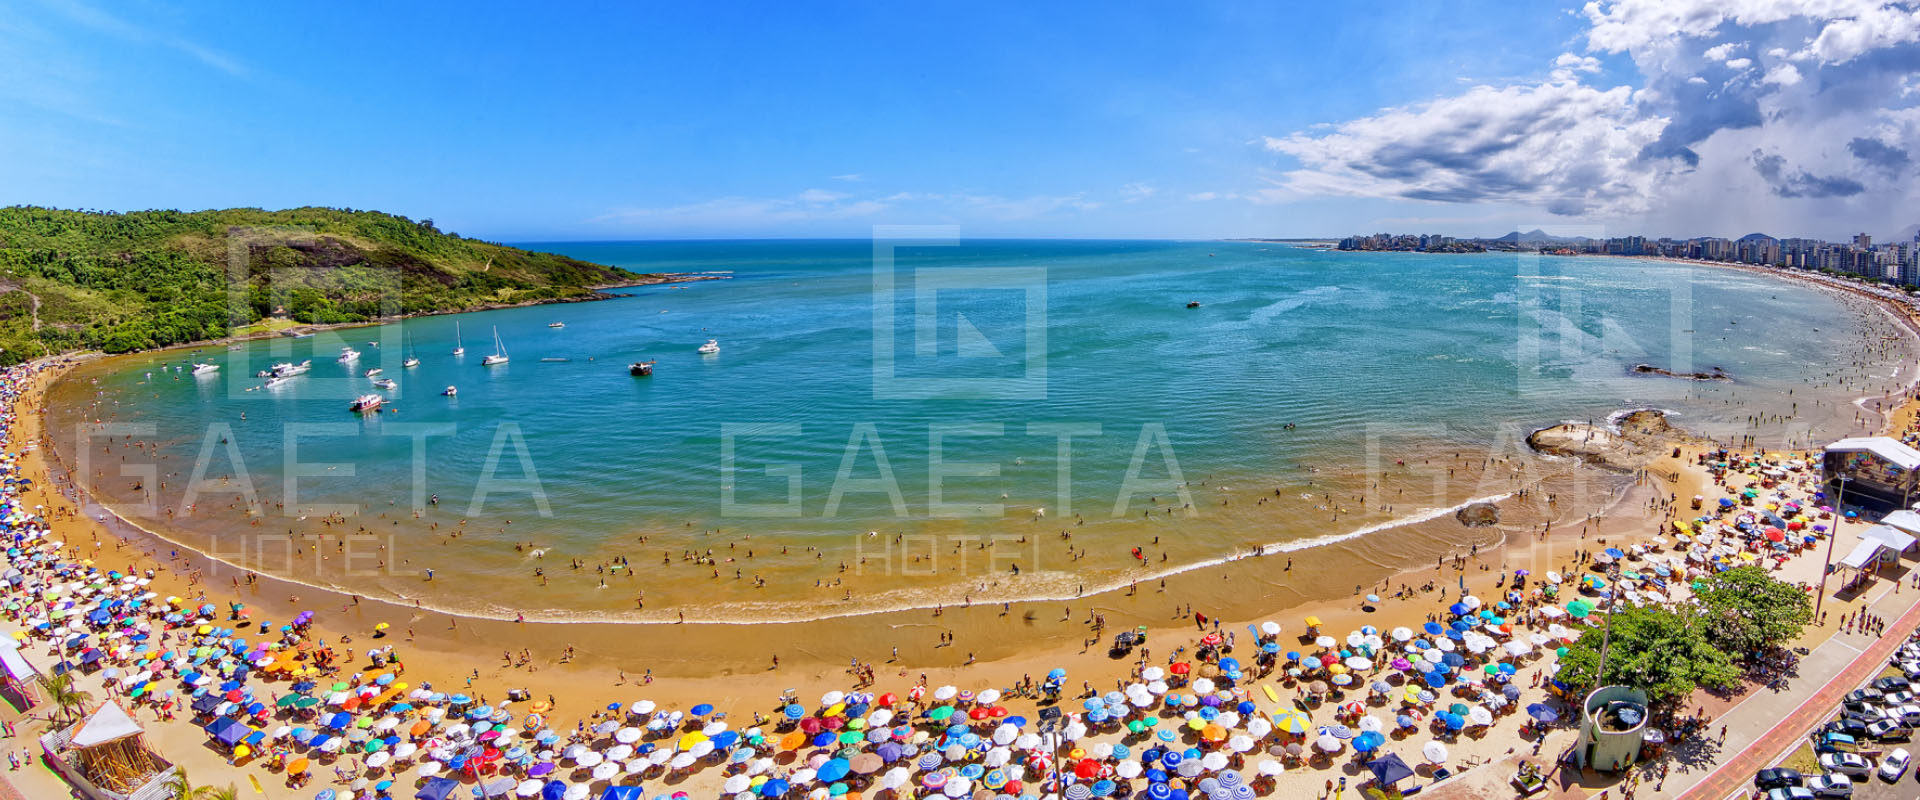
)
(1566, 147)
(1720, 52)
(1201, 197)
(1783, 75)
(1805, 137)
(1136, 192)
(851, 177)
(821, 196)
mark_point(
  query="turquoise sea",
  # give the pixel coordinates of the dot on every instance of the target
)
(867, 432)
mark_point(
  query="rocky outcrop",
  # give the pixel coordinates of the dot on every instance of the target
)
(1478, 515)
(1638, 438)
(1716, 374)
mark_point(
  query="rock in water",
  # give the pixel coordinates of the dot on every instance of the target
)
(1639, 438)
(1478, 515)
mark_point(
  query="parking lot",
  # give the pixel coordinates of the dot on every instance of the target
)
(1843, 756)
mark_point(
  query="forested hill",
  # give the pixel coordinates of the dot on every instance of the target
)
(72, 280)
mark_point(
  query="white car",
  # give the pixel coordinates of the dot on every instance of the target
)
(1895, 764)
(1846, 763)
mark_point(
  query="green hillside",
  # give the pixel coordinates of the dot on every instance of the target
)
(72, 280)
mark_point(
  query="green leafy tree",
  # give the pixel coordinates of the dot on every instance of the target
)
(1748, 610)
(184, 789)
(1660, 652)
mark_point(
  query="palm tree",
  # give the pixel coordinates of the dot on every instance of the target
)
(70, 699)
(184, 789)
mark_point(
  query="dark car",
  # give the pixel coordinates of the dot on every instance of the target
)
(1866, 716)
(1849, 727)
(1777, 778)
(1893, 683)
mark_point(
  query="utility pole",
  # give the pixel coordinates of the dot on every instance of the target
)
(1839, 513)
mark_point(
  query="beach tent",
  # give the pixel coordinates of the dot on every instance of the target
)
(1863, 554)
(1904, 520)
(437, 789)
(1895, 539)
(18, 676)
(622, 793)
(1389, 769)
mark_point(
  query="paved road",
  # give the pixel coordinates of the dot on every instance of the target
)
(1735, 773)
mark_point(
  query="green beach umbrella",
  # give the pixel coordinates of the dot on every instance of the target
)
(287, 700)
(340, 687)
(849, 737)
(1560, 651)
(940, 714)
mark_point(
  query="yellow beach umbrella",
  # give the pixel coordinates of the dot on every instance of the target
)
(688, 741)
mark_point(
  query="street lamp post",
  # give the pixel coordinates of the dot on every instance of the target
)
(1839, 513)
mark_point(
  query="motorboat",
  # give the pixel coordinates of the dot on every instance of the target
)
(202, 369)
(712, 346)
(499, 350)
(349, 355)
(371, 372)
(388, 384)
(289, 369)
(277, 380)
(556, 324)
(451, 391)
(365, 403)
(640, 369)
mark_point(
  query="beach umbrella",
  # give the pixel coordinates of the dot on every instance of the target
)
(1435, 752)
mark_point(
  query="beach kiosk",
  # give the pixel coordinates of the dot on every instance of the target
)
(106, 757)
(19, 678)
(1878, 470)
(1613, 724)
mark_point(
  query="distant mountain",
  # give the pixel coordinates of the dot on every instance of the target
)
(75, 280)
(1537, 236)
(1755, 237)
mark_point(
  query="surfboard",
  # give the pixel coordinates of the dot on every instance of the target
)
(1271, 694)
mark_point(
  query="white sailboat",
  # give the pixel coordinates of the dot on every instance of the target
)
(459, 348)
(499, 351)
(411, 360)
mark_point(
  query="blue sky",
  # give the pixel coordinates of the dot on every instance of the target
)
(657, 120)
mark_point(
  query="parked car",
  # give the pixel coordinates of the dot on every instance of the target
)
(1894, 764)
(1867, 695)
(1847, 763)
(1777, 777)
(1865, 716)
(1895, 698)
(1888, 730)
(1789, 793)
(1830, 785)
(1845, 726)
(1909, 714)
(1910, 667)
(1892, 683)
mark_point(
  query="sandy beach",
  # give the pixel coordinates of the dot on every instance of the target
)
(581, 667)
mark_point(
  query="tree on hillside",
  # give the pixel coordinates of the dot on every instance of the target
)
(1660, 652)
(1748, 610)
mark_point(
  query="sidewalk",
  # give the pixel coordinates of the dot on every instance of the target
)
(1766, 726)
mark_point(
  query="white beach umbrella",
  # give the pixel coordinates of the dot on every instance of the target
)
(588, 759)
(619, 752)
(529, 788)
(1434, 752)
(945, 693)
(1152, 674)
(606, 771)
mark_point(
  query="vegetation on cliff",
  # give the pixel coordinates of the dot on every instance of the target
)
(118, 282)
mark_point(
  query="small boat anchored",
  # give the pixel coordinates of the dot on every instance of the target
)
(411, 359)
(388, 384)
(499, 350)
(349, 355)
(371, 372)
(640, 369)
(451, 391)
(556, 324)
(712, 346)
(365, 403)
(459, 347)
(202, 369)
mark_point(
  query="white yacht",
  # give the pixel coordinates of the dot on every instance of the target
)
(451, 391)
(365, 403)
(202, 369)
(370, 372)
(712, 346)
(388, 384)
(289, 369)
(349, 355)
(459, 347)
(499, 351)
